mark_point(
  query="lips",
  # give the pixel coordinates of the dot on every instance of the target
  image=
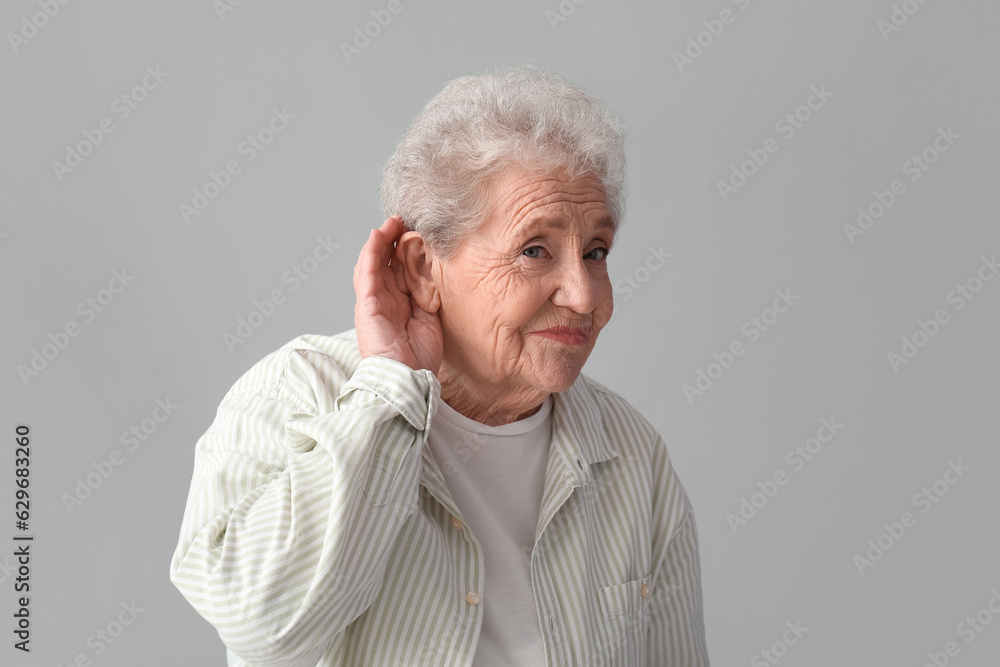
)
(566, 335)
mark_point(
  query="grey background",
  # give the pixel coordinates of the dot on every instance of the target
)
(162, 336)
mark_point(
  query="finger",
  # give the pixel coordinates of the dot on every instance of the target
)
(388, 234)
(375, 257)
(398, 273)
(366, 271)
(393, 222)
(392, 229)
(382, 240)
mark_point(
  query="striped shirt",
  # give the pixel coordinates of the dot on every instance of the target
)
(319, 530)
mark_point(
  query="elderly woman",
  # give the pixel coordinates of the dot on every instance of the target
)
(441, 485)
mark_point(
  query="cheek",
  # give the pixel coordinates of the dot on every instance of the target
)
(466, 294)
(533, 308)
(515, 301)
(605, 300)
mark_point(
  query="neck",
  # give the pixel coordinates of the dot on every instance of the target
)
(485, 403)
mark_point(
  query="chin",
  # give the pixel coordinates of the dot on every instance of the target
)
(559, 379)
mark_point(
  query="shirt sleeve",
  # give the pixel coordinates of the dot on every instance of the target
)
(298, 492)
(676, 626)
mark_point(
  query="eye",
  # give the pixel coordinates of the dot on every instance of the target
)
(534, 252)
(597, 253)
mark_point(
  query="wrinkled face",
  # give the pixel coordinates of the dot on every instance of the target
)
(525, 296)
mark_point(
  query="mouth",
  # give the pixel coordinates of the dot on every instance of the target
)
(565, 335)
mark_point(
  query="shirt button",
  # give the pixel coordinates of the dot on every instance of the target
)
(456, 523)
(472, 597)
(644, 591)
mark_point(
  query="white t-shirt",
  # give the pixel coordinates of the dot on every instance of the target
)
(496, 474)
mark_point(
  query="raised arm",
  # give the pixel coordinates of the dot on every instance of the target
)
(306, 476)
(293, 507)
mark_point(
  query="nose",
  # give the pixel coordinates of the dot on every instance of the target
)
(577, 287)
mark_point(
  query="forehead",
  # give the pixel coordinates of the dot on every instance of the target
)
(522, 198)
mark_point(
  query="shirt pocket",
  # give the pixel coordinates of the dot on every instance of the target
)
(626, 620)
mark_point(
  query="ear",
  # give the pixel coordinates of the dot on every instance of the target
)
(418, 270)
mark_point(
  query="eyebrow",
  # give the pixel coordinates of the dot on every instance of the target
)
(561, 223)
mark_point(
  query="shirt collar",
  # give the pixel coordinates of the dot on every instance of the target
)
(579, 440)
(578, 431)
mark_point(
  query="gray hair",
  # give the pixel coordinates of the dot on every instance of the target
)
(477, 127)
